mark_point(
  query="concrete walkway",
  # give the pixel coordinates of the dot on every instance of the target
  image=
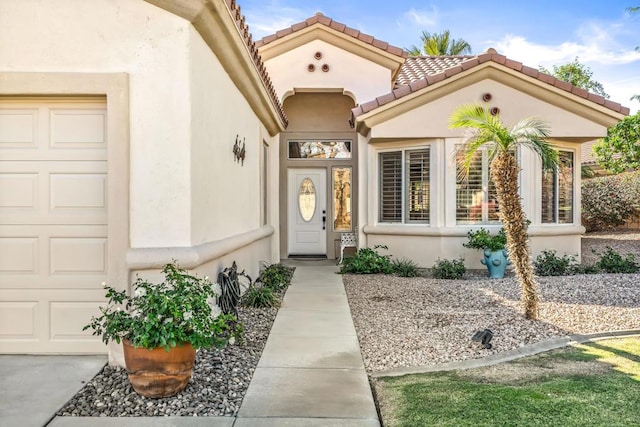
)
(311, 372)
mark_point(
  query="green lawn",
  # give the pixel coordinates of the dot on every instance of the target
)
(596, 384)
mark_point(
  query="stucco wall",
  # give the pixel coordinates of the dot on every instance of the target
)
(225, 193)
(151, 46)
(364, 79)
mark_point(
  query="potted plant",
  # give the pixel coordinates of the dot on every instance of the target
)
(494, 250)
(161, 326)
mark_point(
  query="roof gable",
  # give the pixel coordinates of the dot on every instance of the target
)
(429, 77)
(326, 29)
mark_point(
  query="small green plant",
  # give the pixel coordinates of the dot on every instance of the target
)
(367, 261)
(449, 269)
(260, 297)
(613, 262)
(405, 267)
(166, 314)
(585, 269)
(550, 264)
(276, 276)
(483, 239)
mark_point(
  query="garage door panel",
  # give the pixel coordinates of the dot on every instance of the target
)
(53, 224)
(19, 255)
(18, 128)
(18, 319)
(78, 128)
(53, 192)
(64, 326)
(79, 255)
(78, 190)
(37, 321)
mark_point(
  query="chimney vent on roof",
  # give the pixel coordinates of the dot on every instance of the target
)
(492, 50)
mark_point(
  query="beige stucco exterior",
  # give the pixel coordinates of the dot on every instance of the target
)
(174, 188)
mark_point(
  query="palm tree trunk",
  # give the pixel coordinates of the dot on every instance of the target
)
(504, 173)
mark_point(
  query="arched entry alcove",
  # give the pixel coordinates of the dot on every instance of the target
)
(318, 160)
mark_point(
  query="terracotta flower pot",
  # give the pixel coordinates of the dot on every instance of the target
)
(157, 372)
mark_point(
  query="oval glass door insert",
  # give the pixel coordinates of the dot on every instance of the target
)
(307, 199)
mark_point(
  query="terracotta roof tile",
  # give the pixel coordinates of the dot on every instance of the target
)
(529, 71)
(596, 98)
(514, 65)
(580, 92)
(338, 26)
(321, 19)
(366, 38)
(243, 30)
(561, 84)
(418, 72)
(385, 99)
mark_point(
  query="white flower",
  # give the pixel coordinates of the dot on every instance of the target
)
(216, 288)
(104, 284)
(187, 315)
(140, 291)
(232, 340)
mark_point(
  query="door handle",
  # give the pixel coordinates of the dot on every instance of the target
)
(324, 219)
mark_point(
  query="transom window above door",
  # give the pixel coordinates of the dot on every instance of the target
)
(314, 150)
(404, 187)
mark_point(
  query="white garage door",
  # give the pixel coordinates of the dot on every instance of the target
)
(53, 223)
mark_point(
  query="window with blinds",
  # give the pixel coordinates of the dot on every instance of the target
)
(476, 196)
(391, 187)
(557, 191)
(404, 186)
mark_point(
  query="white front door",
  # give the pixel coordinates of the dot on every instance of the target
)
(307, 200)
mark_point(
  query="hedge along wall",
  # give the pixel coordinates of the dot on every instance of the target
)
(611, 202)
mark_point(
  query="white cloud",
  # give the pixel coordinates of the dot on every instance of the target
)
(616, 70)
(271, 17)
(423, 18)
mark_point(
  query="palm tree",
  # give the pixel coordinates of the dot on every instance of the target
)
(502, 142)
(440, 44)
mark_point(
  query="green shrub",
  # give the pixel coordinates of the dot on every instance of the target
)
(549, 264)
(276, 276)
(367, 261)
(405, 267)
(609, 201)
(446, 269)
(612, 262)
(260, 297)
(585, 269)
(483, 239)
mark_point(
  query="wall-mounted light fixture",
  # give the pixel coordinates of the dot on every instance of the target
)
(239, 151)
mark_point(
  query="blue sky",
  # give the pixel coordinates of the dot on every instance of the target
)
(600, 33)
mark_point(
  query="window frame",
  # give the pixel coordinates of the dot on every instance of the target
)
(557, 189)
(404, 185)
(485, 184)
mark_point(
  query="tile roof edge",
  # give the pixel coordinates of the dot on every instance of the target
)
(319, 18)
(245, 34)
(492, 56)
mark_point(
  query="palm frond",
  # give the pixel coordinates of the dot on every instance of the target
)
(532, 132)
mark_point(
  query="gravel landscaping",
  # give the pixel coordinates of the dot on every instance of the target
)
(219, 382)
(404, 322)
(400, 322)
